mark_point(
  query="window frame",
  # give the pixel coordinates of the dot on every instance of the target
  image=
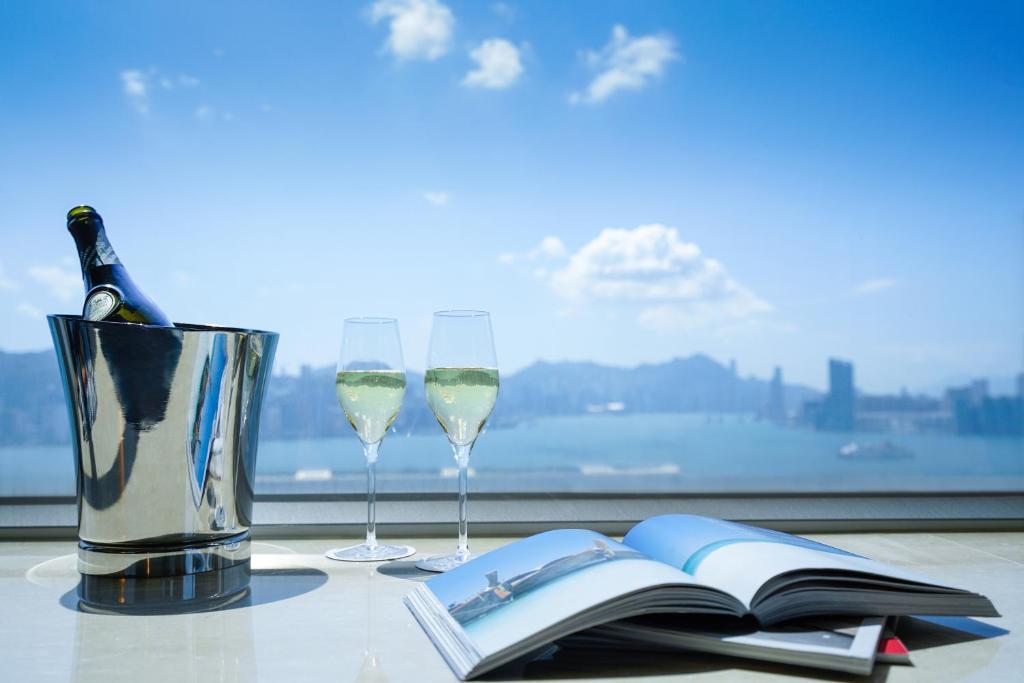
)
(515, 514)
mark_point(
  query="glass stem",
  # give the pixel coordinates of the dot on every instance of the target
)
(462, 458)
(370, 451)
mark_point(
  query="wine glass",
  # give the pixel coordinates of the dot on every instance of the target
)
(462, 385)
(370, 385)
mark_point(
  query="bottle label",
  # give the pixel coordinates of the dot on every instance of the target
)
(100, 304)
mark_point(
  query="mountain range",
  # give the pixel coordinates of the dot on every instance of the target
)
(304, 406)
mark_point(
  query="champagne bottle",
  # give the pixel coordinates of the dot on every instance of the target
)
(110, 292)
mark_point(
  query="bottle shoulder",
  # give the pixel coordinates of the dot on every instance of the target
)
(122, 302)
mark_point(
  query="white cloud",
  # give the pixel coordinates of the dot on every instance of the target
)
(206, 112)
(873, 285)
(135, 82)
(498, 64)
(6, 283)
(418, 29)
(63, 283)
(138, 84)
(671, 281)
(29, 311)
(550, 247)
(437, 198)
(626, 63)
(136, 87)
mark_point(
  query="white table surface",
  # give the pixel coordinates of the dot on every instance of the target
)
(312, 619)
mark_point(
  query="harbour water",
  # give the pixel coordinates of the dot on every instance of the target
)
(639, 452)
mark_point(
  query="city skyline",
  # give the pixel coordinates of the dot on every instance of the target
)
(303, 406)
(625, 185)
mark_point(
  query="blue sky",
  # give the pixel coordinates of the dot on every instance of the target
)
(772, 182)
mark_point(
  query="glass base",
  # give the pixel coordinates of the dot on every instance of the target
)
(442, 563)
(370, 553)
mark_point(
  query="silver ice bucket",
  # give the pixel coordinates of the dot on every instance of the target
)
(164, 426)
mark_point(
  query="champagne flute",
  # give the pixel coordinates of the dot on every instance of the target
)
(370, 385)
(461, 385)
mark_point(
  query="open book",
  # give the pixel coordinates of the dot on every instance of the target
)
(532, 592)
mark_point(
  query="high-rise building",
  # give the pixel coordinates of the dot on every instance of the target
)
(837, 408)
(776, 398)
(979, 390)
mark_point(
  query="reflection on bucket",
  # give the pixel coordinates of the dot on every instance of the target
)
(164, 427)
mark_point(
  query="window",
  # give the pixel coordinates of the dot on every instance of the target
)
(725, 251)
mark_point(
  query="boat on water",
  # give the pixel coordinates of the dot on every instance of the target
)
(880, 450)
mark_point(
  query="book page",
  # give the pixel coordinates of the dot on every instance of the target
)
(507, 595)
(842, 644)
(739, 559)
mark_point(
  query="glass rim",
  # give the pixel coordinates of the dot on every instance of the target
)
(461, 313)
(370, 320)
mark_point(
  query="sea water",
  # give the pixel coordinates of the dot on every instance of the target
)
(640, 452)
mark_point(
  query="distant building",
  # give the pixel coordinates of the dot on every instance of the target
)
(964, 416)
(977, 413)
(837, 410)
(966, 410)
(810, 413)
(902, 412)
(776, 411)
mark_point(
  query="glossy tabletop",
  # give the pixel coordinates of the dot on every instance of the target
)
(310, 619)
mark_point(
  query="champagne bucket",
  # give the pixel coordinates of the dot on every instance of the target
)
(164, 426)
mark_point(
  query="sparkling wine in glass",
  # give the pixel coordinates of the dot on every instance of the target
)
(370, 385)
(461, 386)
